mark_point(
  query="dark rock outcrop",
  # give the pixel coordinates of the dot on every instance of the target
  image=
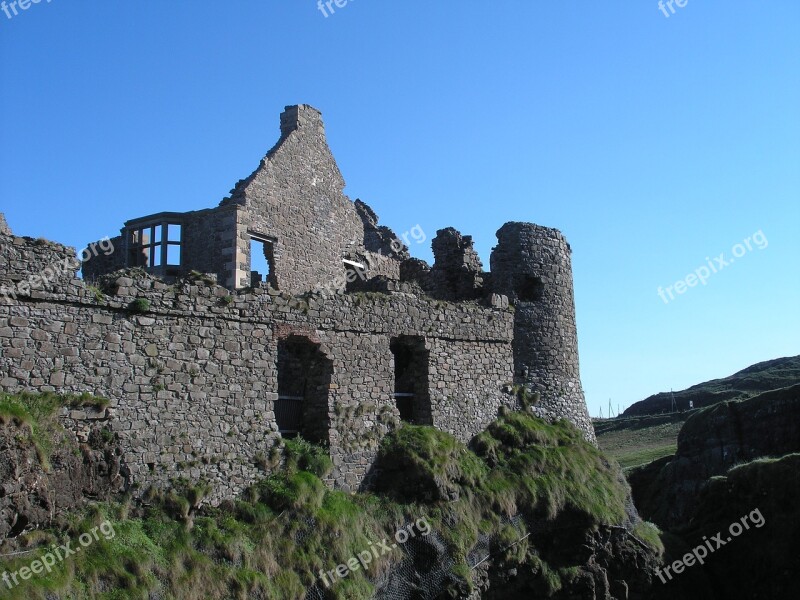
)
(614, 565)
(753, 511)
(36, 492)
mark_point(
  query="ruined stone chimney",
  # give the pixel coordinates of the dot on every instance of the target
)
(456, 272)
(301, 116)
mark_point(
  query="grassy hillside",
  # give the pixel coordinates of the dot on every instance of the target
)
(749, 382)
(640, 440)
(648, 430)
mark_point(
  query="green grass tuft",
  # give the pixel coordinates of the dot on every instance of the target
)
(650, 535)
(140, 306)
(37, 413)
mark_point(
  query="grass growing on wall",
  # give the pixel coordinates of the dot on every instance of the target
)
(273, 542)
(549, 467)
(37, 414)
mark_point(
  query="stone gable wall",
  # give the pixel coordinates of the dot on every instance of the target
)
(296, 198)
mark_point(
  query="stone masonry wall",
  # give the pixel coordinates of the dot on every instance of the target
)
(29, 265)
(193, 381)
(100, 263)
(456, 272)
(4, 228)
(532, 265)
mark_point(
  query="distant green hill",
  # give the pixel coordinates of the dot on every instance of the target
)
(749, 382)
(637, 441)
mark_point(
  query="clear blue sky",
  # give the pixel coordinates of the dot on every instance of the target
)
(651, 142)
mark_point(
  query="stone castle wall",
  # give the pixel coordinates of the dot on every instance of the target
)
(4, 228)
(193, 381)
(199, 378)
(532, 265)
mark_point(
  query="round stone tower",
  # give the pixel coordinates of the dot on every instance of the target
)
(532, 266)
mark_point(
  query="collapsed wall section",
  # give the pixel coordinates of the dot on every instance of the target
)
(4, 228)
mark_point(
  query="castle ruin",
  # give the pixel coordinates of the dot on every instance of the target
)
(208, 363)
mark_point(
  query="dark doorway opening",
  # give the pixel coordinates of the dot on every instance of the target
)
(304, 377)
(411, 391)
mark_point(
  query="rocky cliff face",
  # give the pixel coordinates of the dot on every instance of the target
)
(709, 444)
(613, 565)
(751, 521)
(42, 480)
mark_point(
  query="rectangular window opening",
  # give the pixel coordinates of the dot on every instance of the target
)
(262, 262)
(411, 388)
(173, 232)
(174, 255)
(156, 246)
(529, 288)
(304, 378)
